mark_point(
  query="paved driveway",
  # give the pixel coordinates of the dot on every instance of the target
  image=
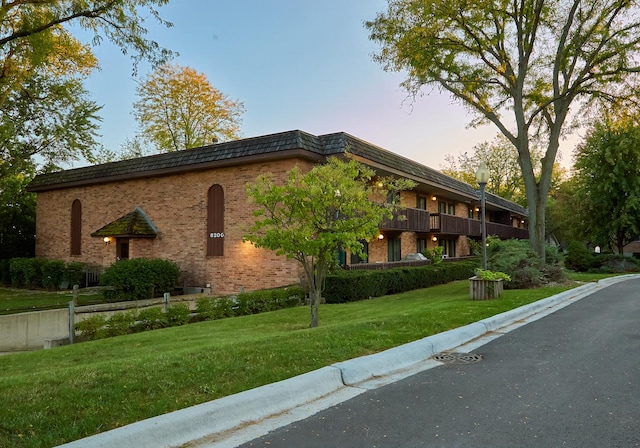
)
(571, 379)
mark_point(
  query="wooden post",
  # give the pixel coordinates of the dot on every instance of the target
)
(72, 314)
(166, 301)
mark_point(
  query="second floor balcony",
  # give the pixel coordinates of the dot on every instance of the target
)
(408, 220)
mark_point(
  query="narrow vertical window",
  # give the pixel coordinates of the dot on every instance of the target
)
(393, 249)
(76, 228)
(215, 221)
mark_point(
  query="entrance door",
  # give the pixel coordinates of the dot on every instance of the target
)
(122, 248)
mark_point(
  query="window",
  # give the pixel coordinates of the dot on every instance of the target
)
(393, 247)
(421, 203)
(471, 215)
(448, 248)
(355, 259)
(393, 197)
(446, 208)
(215, 221)
(76, 228)
(421, 245)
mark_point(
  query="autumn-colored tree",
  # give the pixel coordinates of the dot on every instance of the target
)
(522, 65)
(313, 215)
(179, 109)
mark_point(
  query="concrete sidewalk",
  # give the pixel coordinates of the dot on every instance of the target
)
(233, 420)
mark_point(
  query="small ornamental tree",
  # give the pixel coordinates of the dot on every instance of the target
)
(312, 215)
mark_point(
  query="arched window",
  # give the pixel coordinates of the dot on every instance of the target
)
(215, 221)
(76, 228)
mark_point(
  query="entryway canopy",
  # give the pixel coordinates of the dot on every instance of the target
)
(132, 225)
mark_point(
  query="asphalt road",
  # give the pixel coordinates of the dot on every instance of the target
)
(571, 379)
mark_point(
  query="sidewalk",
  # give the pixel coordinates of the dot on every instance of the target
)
(239, 418)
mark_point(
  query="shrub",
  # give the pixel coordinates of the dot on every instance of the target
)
(178, 314)
(139, 278)
(52, 274)
(150, 319)
(25, 272)
(74, 273)
(435, 254)
(120, 324)
(578, 257)
(517, 259)
(92, 327)
(5, 274)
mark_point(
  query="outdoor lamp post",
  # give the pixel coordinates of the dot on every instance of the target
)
(482, 176)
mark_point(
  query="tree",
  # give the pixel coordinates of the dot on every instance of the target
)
(42, 67)
(608, 182)
(505, 177)
(180, 109)
(17, 216)
(313, 215)
(518, 64)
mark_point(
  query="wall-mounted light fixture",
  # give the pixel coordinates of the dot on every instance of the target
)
(434, 198)
(434, 239)
(106, 240)
(477, 209)
(380, 236)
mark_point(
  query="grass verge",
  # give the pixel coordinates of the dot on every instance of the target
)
(23, 300)
(55, 396)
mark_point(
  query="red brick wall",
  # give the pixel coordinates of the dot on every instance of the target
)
(177, 206)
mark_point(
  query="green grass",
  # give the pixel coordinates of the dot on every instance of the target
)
(22, 300)
(55, 396)
(588, 276)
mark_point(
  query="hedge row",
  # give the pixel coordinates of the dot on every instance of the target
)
(98, 327)
(253, 302)
(350, 286)
(37, 272)
(207, 308)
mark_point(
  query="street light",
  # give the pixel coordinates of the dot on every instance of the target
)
(482, 176)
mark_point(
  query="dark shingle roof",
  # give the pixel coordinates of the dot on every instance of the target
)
(241, 151)
(134, 224)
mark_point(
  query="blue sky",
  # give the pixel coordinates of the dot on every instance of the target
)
(295, 64)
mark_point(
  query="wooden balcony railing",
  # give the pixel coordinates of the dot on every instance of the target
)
(506, 232)
(415, 220)
(455, 225)
(449, 224)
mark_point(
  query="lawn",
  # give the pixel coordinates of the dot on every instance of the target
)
(22, 300)
(55, 396)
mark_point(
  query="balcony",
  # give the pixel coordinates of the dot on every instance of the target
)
(455, 225)
(449, 224)
(407, 220)
(505, 232)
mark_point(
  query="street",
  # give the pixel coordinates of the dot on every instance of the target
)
(571, 379)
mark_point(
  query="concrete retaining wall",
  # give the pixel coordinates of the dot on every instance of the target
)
(28, 331)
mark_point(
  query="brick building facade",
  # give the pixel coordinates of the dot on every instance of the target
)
(191, 207)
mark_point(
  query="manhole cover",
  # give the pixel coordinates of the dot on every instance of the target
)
(457, 358)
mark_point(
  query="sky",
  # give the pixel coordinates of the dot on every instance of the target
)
(294, 64)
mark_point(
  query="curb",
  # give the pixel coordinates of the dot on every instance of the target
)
(211, 420)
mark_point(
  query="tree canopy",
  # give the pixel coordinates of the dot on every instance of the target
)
(608, 183)
(313, 215)
(179, 109)
(518, 64)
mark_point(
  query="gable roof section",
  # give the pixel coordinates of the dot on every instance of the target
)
(135, 224)
(273, 146)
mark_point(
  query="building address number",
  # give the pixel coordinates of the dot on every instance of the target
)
(216, 235)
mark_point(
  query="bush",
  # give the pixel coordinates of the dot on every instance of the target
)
(25, 272)
(150, 319)
(92, 327)
(178, 314)
(52, 274)
(139, 278)
(120, 324)
(5, 274)
(74, 273)
(578, 257)
(517, 259)
(249, 303)
(350, 286)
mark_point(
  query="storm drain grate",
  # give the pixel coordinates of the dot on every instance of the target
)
(457, 358)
